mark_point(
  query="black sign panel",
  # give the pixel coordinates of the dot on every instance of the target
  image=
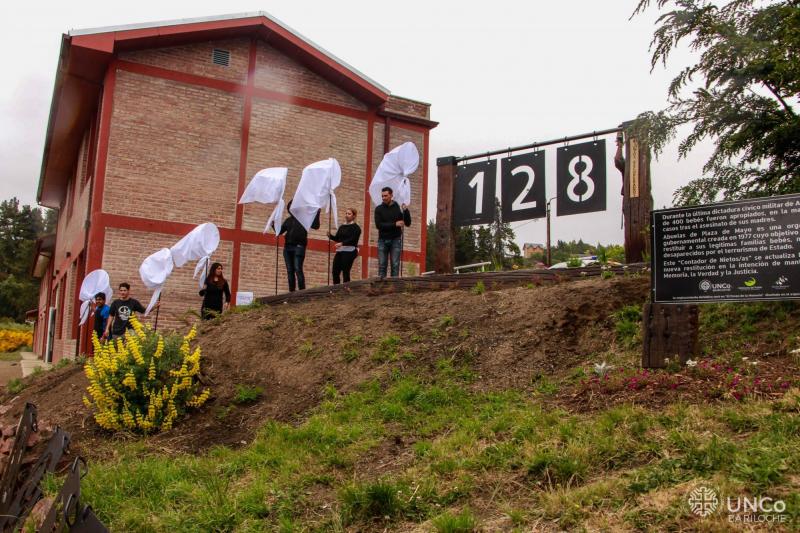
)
(474, 193)
(732, 251)
(522, 187)
(581, 178)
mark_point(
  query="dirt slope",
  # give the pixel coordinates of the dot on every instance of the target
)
(294, 351)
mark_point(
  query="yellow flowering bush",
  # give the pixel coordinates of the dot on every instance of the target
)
(12, 340)
(145, 381)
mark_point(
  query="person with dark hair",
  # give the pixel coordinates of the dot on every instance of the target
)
(346, 239)
(390, 219)
(101, 311)
(294, 248)
(215, 287)
(121, 311)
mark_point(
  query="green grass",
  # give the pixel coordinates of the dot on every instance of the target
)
(388, 349)
(15, 386)
(12, 356)
(628, 325)
(461, 445)
(479, 288)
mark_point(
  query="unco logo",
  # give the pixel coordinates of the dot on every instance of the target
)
(703, 501)
(705, 285)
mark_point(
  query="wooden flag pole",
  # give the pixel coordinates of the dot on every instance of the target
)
(330, 213)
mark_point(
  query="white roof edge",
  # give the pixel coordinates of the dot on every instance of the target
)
(232, 16)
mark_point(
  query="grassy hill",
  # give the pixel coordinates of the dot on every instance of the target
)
(457, 411)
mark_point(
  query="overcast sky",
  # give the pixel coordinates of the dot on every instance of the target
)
(497, 74)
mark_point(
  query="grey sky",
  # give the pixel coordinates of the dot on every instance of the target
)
(496, 73)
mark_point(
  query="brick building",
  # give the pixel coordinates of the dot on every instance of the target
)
(155, 128)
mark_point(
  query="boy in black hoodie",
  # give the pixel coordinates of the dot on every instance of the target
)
(294, 248)
(390, 219)
(346, 240)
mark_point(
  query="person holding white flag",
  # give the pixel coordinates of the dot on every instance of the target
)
(294, 248)
(121, 311)
(390, 219)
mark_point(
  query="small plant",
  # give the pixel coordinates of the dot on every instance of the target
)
(628, 325)
(607, 274)
(479, 288)
(574, 262)
(307, 348)
(543, 385)
(15, 386)
(246, 394)
(38, 371)
(145, 381)
(388, 348)
(64, 361)
(416, 337)
(351, 348)
(463, 522)
(446, 321)
(601, 369)
(530, 285)
(369, 501)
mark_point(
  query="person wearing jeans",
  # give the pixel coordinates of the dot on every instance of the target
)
(294, 249)
(346, 239)
(390, 219)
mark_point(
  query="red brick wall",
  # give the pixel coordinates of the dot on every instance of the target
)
(196, 59)
(405, 106)
(173, 151)
(277, 72)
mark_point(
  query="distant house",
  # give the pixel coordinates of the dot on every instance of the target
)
(155, 128)
(530, 248)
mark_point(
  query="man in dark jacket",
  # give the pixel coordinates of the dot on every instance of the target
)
(294, 248)
(390, 219)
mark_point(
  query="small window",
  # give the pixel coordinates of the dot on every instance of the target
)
(221, 57)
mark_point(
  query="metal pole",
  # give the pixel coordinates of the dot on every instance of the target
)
(549, 260)
(276, 263)
(539, 144)
(402, 234)
(330, 212)
(155, 326)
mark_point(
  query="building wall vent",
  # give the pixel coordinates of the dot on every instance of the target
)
(221, 57)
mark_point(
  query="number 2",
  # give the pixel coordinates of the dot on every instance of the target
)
(518, 204)
(477, 182)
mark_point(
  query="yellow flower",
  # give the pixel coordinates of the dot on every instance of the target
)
(130, 380)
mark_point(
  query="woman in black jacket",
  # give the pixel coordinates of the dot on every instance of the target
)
(346, 238)
(215, 288)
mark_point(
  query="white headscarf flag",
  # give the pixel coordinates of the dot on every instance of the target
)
(154, 272)
(95, 282)
(393, 172)
(198, 244)
(315, 191)
(267, 187)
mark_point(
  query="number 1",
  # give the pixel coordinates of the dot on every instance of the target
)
(478, 181)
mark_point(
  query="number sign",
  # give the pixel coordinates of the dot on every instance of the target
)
(522, 187)
(581, 178)
(474, 193)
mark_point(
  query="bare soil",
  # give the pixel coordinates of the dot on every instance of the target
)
(509, 338)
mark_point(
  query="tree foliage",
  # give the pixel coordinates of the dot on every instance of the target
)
(493, 243)
(742, 93)
(20, 226)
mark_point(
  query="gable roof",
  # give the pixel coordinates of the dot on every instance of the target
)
(86, 54)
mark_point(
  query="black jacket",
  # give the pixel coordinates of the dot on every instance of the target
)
(295, 232)
(386, 217)
(347, 234)
(212, 296)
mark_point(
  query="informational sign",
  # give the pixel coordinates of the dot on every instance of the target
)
(244, 298)
(581, 178)
(474, 192)
(522, 187)
(733, 251)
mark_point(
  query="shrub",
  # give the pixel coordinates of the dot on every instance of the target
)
(144, 382)
(479, 288)
(12, 340)
(15, 386)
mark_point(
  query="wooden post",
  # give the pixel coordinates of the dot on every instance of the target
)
(637, 201)
(445, 230)
(669, 332)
